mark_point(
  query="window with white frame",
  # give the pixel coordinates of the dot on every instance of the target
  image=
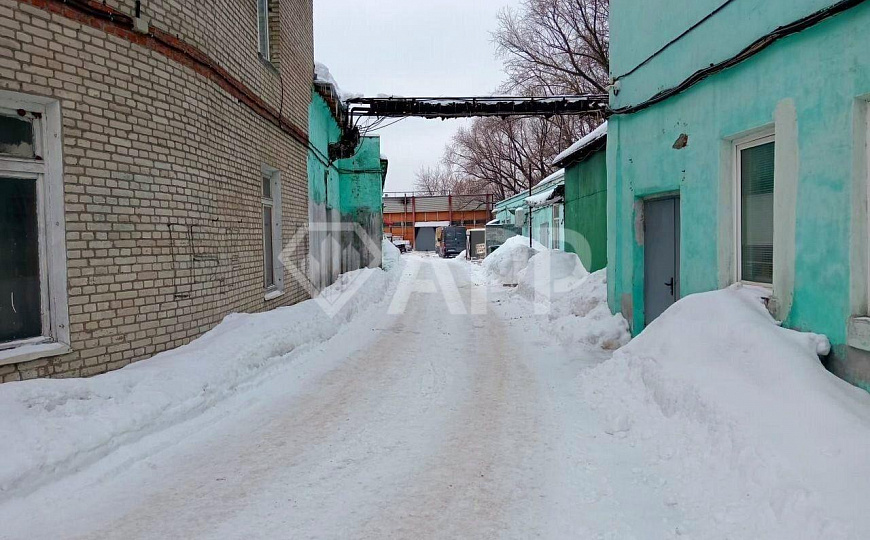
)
(263, 34)
(34, 319)
(558, 223)
(273, 274)
(755, 223)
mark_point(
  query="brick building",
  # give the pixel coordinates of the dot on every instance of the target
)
(152, 159)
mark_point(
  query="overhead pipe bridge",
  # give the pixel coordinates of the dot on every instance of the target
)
(470, 107)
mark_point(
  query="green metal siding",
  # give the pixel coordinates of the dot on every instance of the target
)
(586, 210)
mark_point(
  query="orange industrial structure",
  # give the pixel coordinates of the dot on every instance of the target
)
(405, 214)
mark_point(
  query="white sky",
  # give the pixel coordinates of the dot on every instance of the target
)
(410, 48)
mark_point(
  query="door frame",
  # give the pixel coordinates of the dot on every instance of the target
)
(676, 196)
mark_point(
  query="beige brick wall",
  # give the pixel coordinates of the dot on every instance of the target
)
(162, 171)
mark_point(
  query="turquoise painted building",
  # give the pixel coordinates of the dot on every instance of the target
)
(741, 148)
(345, 195)
(546, 207)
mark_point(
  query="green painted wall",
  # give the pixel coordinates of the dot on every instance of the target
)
(322, 130)
(810, 87)
(586, 210)
(342, 195)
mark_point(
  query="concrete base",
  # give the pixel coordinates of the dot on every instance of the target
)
(850, 364)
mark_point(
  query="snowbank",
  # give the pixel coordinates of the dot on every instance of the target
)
(722, 393)
(391, 255)
(572, 302)
(505, 263)
(50, 428)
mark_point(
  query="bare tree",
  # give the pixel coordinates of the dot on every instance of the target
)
(556, 46)
(550, 47)
(443, 180)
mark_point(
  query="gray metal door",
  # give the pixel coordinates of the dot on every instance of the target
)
(425, 239)
(661, 255)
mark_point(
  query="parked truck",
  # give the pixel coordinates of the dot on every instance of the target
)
(450, 241)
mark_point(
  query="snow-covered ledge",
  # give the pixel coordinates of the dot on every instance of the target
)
(859, 333)
(32, 351)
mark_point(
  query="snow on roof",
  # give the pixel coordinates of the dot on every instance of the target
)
(540, 199)
(494, 222)
(586, 141)
(553, 180)
(324, 76)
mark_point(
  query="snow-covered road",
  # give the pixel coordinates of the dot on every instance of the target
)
(442, 405)
(426, 424)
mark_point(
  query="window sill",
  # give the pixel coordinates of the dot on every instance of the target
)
(33, 351)
(858, 335)
(268, 63)
(272, 295)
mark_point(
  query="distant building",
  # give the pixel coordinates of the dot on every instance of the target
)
(415, 217)
(152, 173)
(738, 154)
(542, 214)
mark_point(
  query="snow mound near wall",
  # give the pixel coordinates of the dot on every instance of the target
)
(572, 302)
(550, 274)
(582, 316)
(503, 265)
(391, 255)
(728, 396)
(50, 428)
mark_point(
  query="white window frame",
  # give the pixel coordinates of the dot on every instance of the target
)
(866, 171)
(275, 289)
(48, 174)
(758, 138)
(558, 224)
(263, 39)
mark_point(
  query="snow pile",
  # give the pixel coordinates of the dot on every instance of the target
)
(715, 390)
(574, 301)
(50, 428)
(391, 255)
(503, 265)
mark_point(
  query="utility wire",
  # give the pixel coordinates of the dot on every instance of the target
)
(756, 47)
(676, 39)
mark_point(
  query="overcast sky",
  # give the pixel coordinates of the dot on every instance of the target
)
(410, 48)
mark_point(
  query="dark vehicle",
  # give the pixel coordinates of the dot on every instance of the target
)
(450, 241)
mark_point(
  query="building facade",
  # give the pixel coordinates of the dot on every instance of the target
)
(346, 220)
(415, 217)
(542, 214)
(152, 174)
(738, 153)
